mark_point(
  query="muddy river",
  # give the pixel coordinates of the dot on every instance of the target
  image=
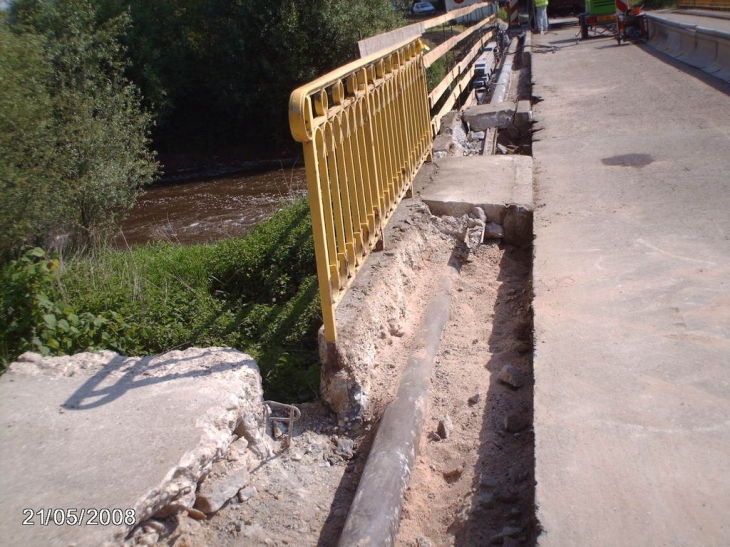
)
(199, 212)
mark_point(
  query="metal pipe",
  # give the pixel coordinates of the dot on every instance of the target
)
(375, 512)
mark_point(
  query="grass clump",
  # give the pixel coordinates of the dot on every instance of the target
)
(258, 294)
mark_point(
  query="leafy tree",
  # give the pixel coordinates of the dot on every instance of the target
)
(29, 204)
(93, 156)
(221, 71)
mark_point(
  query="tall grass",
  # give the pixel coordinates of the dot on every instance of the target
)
(257, 294)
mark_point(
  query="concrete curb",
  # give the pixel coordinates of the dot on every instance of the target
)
(375, 512)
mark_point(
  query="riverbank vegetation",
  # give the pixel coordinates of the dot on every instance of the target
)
(258, 294)
(90, 91)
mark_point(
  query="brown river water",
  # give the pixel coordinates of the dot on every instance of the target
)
(209, 210)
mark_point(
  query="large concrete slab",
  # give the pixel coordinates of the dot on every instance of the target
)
(105, 431)
(632, 299)
(454, 186)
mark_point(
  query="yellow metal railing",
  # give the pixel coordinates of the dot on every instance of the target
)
(365, 129)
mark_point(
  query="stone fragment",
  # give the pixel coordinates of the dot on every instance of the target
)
(423, 542)
(514, 423)
(479, 213)
(493, 231)
(345, 448)
(511, 376)
(474, 399)
(445, 427)
(221, 485)
(245, 494)
(195, 514)
(477, 135)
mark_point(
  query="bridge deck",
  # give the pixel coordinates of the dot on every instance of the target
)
(632, 307)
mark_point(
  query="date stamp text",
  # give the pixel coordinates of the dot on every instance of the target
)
(79, 516)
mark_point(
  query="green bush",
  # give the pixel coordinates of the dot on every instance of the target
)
(33, 321)
(258, 294)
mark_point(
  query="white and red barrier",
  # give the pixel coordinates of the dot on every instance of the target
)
(513, 9)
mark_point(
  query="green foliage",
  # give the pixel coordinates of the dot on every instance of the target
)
(76, 137)
(33, 321)
(258, 294)
(221, 70)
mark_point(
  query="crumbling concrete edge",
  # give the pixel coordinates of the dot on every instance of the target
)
(221, 426)
(375, 512)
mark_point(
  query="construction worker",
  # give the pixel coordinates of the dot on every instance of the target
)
(542, 18)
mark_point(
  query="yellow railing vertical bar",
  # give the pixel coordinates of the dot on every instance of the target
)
(388, 157)
(336, 203)
(413, 136)
(400, 122)
(352, 202)
(364, 200)
(373, 172)
(343, 186)
(320, 225)
(365, 154)
(325, 193)
(403, 123)
(381, 153)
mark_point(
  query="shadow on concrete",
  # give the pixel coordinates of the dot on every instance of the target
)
(504, 483)
(108, 384)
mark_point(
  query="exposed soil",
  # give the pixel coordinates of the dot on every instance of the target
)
(476, 486)
(473, 483)
(473, 487)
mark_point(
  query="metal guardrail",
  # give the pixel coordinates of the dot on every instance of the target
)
(361, 156)
(366, 129)
(706, 49)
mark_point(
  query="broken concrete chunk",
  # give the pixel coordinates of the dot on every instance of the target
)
(486, 116)
(511, 376)
(445, 427)
(223, 482)
(345, 448)
(247, 493)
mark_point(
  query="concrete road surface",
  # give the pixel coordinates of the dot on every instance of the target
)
(632, 306)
